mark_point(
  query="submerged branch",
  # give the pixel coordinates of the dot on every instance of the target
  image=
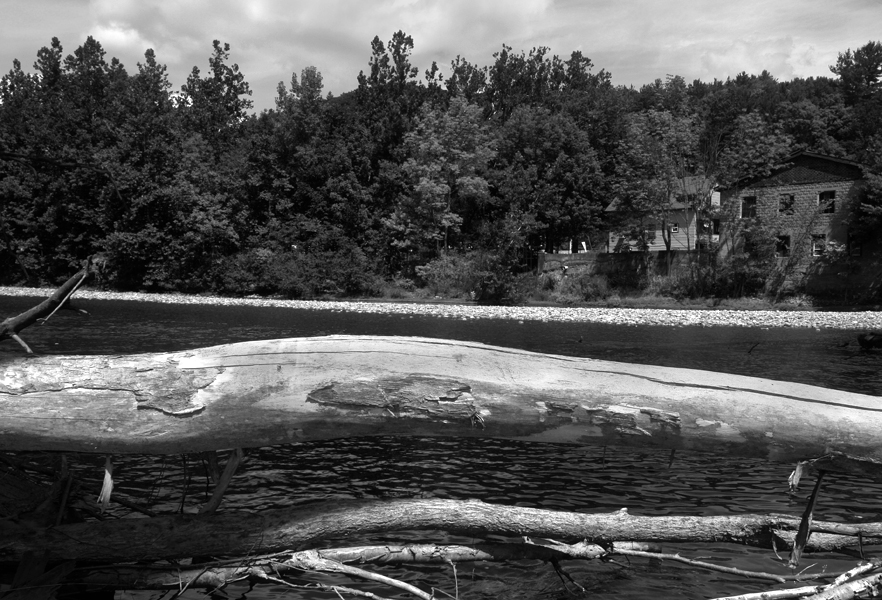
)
(241, 534)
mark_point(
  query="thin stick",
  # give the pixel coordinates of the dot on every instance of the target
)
(218, 495)
(63, 504)
(322, 586)
(455, 580)
(800, 592)
(330, 566)
(706, 565)
(22, 342)
(66, 298)
(805, 525)
(858, 570)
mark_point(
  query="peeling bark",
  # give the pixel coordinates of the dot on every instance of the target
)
(280, 391)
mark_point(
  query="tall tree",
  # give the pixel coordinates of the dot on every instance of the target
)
(658, 156)
(548, 177)
(214, 105)
(448, 156)
(860, 72)
(389, 95)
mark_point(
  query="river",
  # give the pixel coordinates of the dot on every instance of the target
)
(505, 472)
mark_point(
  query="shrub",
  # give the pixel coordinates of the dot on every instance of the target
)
(451, 275)
(483, 276)
(294, 274)
(581, 287)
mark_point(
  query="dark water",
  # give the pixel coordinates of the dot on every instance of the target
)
(504, 472)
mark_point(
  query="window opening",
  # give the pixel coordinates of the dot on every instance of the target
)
(785, 204)
(782, 246)
(827, 202)
(748, 207)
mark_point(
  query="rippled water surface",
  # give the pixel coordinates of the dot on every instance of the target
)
(504, 472)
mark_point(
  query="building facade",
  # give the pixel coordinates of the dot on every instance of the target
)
(679, 220)
(806, 205)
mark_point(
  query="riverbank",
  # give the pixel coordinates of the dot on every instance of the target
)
(855, 320)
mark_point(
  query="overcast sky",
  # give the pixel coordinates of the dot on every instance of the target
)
(635, 40)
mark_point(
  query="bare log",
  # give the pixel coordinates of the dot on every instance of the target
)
(279, 391)
(270, 531)
(60, 298)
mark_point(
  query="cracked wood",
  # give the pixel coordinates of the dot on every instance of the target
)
(278, 391)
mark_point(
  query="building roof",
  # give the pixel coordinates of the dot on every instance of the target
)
(806, 167)
(691, 184)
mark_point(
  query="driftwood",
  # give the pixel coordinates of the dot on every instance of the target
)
(279, 391)
(244, 534)
(59, 299)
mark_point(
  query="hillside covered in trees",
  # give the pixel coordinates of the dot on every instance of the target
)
(409, 178)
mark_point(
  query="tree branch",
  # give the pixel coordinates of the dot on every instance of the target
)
(9, 328)
(295, 528)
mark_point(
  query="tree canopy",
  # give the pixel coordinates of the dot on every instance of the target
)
(190, 190)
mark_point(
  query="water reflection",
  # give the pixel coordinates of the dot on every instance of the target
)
(515, 473)
(497, 471)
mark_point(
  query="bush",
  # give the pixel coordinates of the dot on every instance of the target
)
(581, 287)
(482, 276)
(451, 275)
(295, 274)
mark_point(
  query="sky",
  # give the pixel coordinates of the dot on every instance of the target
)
(637, 41)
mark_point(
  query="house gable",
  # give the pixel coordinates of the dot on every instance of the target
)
(806, 168)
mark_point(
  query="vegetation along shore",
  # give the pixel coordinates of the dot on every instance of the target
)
(531, 177)
(856, 320)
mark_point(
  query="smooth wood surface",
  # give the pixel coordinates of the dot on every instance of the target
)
(279, 391)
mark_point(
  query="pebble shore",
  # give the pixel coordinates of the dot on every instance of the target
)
(855, 320)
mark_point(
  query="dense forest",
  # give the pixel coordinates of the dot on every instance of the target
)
(408, 180)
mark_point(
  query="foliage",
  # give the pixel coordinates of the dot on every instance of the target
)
(464, 177)
(448, 155)
(485, 277)
(548, 178)
(657, 163)
(581, 287)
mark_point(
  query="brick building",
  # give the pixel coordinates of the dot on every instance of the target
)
(807, 204)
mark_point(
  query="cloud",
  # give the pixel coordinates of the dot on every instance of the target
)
(637, 41)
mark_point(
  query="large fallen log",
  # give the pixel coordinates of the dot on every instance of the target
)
(297, 528)
(278, 391)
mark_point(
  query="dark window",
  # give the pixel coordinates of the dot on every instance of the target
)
(782, 245)
(716, 229)
(675, 228)
(819, 244)
(785, 204)
(748, 207)
(827, 201)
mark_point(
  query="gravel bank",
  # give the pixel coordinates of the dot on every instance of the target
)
(864, 320)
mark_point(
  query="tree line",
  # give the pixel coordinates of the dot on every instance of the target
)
(404, 178)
